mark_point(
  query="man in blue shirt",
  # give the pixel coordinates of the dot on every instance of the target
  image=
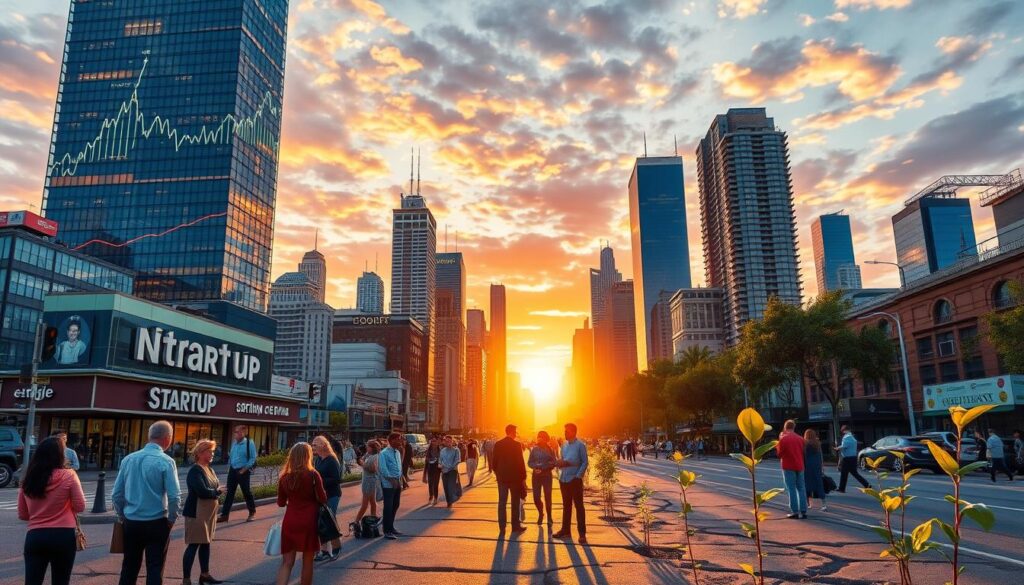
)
(573, 463)
(146, 498)
(390, 469)
(70, 457)
(847, 449)
(241, 460)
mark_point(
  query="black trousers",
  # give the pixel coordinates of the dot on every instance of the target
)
(392, 500)
(572, 497)
(53, 548)
(506, 491)
(149, 537)
(848, 466)
(996, 465)
(433, 479)
(542, 483)
(238, 480)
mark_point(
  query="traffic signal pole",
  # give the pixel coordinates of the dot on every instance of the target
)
(31, 422)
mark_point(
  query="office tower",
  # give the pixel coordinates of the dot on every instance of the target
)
(834, 262)
(370, 294)
(449, 378)
(497, 410)
(476, 367)
(615, 339)
(748, 225)
(413, 281)
(932, 233)
(661, 253)
(661, 328)
(451, 275)
(696, 315)
(165, 144)
(601, 280)
(314, 266)
(582, 379)
(521, 407)
(302, 346)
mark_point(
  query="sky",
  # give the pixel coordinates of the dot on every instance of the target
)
(529, 115)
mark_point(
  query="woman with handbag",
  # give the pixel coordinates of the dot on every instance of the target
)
(301, 492)
(328, 466)
(50, 500)
(371, 489)
(814, 472)
(200, 513)
(432, 469)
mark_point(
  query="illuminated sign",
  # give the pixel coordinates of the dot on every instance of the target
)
(171, 400)
(41, 393)
(375, 320)
(163, 348)
(29, 221)
(446, 260)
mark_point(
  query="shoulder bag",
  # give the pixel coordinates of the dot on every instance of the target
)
(272, 544)
(80, 542)
(326, 522)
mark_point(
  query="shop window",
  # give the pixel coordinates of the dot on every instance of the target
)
(928, 376)
(925, 349)
(946, 344)
(949, 372)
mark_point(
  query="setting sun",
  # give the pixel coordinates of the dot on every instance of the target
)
(544, 380)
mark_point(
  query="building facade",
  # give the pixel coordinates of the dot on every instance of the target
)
(661, 253)
(748, 223)
(601, 279)
(661, 328)
(834, 261)
(155, 138)
(697, 320)
(314, 266)
(615, 343)
(476, 366)
(303, 341)
(449, 377)
(497, 364)
(374, 398)
(582, 371)
(933, 233)
(370, 294)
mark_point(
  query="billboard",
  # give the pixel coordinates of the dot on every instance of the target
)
(1003, 391)
(30, 221)
(74, 340)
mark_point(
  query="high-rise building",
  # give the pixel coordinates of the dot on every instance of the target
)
(932, 233)
(451, 275)
(601, 279)
(615, 338)
(696, 315)
(314, 266)
(302, 347)
(661, 328)
(497, 409)
(476, 367)
(370, 293)
(521, 408)
(165, 144)
(582, 379)
(661, 252)
(748, 224)
(834, 262)
(449, 376)
(414, 281)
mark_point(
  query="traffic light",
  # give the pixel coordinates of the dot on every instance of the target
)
(49, 344)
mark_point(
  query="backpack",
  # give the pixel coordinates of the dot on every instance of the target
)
(369, 528)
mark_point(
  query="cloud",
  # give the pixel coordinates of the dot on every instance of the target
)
(868, 4)
(987, 17)
(740, 8)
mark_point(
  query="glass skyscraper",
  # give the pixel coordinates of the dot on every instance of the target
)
(165, 143)
(834, 262)
(661, 252)
(932, 233)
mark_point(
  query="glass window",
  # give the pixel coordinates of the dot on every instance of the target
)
(928, 376)
(943, 311)
(1001, 296)
(925, 349)
(944, 341)
(974, 368)
(949, 372)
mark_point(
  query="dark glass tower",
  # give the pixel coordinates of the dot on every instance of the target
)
(165, 143)
(661, 252)
(931, 234)
(834, 261)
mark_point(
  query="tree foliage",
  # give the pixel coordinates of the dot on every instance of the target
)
(1006, 330)
(705, 389)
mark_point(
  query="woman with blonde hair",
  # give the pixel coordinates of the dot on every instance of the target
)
(370, 485)
(300, 491)
(328, 466)
(814, 472)
(200, 513)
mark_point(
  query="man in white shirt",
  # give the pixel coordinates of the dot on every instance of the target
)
(996, 456)
(390, 469)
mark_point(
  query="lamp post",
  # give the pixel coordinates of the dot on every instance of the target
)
(903, 358)
(903, 275)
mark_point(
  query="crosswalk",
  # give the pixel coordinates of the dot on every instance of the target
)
(9, 499)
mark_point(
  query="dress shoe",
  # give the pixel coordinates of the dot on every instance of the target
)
(518, 529)
(222, 518)
(560, 534)
(252, 516)
(582, 540)
(204, 579)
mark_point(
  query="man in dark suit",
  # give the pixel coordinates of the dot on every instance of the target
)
(510, 470)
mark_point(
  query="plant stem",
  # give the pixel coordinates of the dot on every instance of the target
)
(689, 547)
(757, 522)
(956, 512)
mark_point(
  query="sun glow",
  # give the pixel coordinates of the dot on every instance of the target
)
(543, 380)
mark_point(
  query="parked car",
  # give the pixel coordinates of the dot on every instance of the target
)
(418, 443)
(915, 453)
(11, 449)
(968, 446)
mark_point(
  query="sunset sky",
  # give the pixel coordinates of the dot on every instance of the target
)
(530, 113)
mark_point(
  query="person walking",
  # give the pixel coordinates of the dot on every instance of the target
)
(790, 449)
(370, 484)
(300, 491)
(406, 462)
(573, 463)
(472, 460)
(390, 470)
(489, 453)
(449, 461)
(510, 472)
(996, 456)
(50, 499)
(200, 513)
(328, 466)
(542, 462)
(241, 460)
(814, 469)
(847, 449)
(1018, 451)
(70, 457)
(432, 469)
(146, 499)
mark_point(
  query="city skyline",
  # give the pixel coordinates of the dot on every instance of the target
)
(537, 235)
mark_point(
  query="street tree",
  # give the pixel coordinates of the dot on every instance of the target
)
(1006, 330)
(706, 389)
(791, 342)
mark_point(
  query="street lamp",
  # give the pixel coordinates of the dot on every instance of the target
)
(903, 358)
(903, 276)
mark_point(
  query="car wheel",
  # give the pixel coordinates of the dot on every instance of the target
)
(897, 464)
(6, 473)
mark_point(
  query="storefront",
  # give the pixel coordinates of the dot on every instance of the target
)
(1007, 392)
(869, 418)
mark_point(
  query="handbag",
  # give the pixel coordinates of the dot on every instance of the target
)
(272, 544)
(80, 541)
(828, 483)
(117, 538)
(326, 522)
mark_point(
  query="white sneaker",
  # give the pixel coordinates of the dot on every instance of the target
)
(824, 508)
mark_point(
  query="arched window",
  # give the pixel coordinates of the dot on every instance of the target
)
(943, 311)
(885, 327)
(1001, 296)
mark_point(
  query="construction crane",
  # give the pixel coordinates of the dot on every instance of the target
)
(947, 186)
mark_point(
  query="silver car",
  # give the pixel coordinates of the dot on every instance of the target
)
(968, 446)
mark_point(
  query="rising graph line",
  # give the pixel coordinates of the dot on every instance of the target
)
(119, 135)
(156, 235)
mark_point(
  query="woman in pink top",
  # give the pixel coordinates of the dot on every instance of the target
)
(49, 499)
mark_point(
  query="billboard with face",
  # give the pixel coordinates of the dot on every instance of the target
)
(74, 342)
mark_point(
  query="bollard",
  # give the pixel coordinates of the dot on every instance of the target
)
(99, 505)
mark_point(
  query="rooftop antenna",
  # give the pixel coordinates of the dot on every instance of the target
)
(675, 144)
(456, 240)
(645, 145)
(366, 267)
(412, 159)
(316, 239)
(445, 238)
(419, 161)
(376, 260)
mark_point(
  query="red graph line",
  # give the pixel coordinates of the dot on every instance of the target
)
(157, 235)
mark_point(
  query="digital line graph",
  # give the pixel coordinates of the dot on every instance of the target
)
(119, 135)
(155, 235)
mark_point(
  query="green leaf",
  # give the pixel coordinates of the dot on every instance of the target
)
(971, 468)
(743, 459)
(949, 531)
(909, 473)
(980, 514)
(767, 495)
(944, 459)
(749, 529)
(747, 568)
(760, 451)
(949, 498)
(687, 508)
(920, 535)
(872, 492)
(881, 531)
(751, 424)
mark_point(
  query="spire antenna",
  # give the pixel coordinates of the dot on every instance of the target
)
(645, 144)
(316, 239)
(445, 238)
(376, 261)
(419, 161)
(675, 144)
(412, 160)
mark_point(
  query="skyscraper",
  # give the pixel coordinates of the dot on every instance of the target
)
(497, 410)
(834, 262)
(413, 280)
(449, 379)
(615, 338)
(165, 144)
(370, 293)
(661, 328)
(582, 380)
(932, 233)
(302, 347)
(601, 279)
(476, 366)
(661, 253)
(748, 225)
(314, 266)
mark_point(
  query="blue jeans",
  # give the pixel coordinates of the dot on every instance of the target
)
(333, 502)
(797, 491)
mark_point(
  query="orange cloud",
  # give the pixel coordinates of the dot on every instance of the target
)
(392, 57)
(739, 9)
(868, 4)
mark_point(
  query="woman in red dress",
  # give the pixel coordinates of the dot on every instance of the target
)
(300, 491)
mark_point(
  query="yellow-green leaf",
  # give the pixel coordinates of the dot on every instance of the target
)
(751, 424)
(944, 459)
(873, 463)
(747, 568)
(981, 515)
(891, 504)
(962, 418)
(743, 459)
(678, 457)
(921, 534)
(686, 478)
